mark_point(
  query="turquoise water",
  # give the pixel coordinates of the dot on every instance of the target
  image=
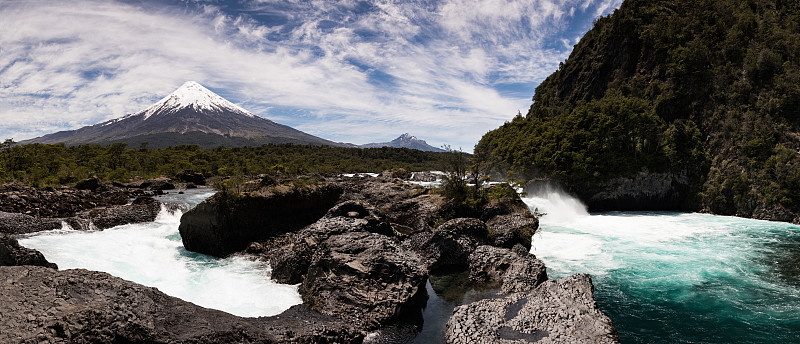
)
(152, 254)
(678, 277)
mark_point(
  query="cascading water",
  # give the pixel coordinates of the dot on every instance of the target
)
(152, 254)
(678, 277)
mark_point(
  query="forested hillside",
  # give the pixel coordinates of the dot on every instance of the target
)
(46, 164)
(702, 96)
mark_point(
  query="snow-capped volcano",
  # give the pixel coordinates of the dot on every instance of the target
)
(192, 114)
(191, 94)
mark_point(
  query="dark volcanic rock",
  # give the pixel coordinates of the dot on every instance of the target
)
(79, 306)
(89, 184)
(143, 209)
(222, 224)
(299, 324)
(13, 254)
(365, 279)
(558, 311)
(290, 254)
(509, 230)
(23, 224)
(63, 202)
(643, 191)
(515, 270)
(449, 245)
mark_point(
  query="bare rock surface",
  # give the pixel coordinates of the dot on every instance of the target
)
(366, 279)
(558, 311)
(79, 306)
(449, 245)
(515, 270)
(13, 254)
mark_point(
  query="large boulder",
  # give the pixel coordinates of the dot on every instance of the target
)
(515, 270)
(224, 223)
(190, 176)
(89, 184)
(42, 305)
(449, 245)
(365, 279)
(290, 254)
(510, 230)
(13, 254)
(143, 209)
(558, 311)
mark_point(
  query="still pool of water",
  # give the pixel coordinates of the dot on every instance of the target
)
(678, 277)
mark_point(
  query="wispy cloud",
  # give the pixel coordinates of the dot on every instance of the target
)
(446, 71)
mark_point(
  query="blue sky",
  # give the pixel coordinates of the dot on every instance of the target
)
(446, 71)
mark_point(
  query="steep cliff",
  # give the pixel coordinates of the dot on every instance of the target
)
(678, 105)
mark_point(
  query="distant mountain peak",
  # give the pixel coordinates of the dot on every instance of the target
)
(192, 94)
(405, 141)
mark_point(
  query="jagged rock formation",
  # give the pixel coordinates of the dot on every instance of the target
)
(557, 311)
(13, 254)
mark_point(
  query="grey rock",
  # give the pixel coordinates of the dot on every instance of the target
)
(514, 270)
(80, 306)
(558, 311)
(365, 279)
(509, 230)
(449, 245)
(13, 254)
(12, 223)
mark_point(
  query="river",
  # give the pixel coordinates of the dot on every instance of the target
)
(678, 277)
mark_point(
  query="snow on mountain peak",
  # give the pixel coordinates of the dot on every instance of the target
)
(192, 94)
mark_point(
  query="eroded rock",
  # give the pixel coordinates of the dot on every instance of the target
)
(558, 311)
(14, 254)
(515, 270)
(365, 279)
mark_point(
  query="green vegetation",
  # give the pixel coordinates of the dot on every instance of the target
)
(43, 164)
(705, 89)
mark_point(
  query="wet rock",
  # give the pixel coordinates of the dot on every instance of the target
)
(642, 191)
(12, 223)
(365, 279)
(143, 209)
(80, 306)
(509, 230)
(558, 311)
(13, 254)
(424, 177)
(515, 270)
(224, 224)
(64, 202)
(449, 245)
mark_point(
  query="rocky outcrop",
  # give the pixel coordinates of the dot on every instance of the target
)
(299, 324)
(558, 311)
(192, 177)
(515, 270)
(224, 223)
(366, 279)
(290, 254)
(63, 202)
(513, 229)
(79, 306)
(11, 223)
(143, 209)
(13, 254)
(449, 245)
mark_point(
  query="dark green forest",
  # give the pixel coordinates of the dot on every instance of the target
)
(708, 90)
(46, 164)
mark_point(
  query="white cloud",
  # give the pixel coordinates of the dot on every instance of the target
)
(425, 68)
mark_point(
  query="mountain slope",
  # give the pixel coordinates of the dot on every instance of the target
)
(405, 141)
(192, 114)
(680, 104)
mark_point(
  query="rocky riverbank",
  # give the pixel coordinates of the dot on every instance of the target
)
(362, 259)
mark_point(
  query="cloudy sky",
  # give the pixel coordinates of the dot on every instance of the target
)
(446, 71)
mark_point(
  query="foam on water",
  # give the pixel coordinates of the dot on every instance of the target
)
(152, 254)
(677, 277)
